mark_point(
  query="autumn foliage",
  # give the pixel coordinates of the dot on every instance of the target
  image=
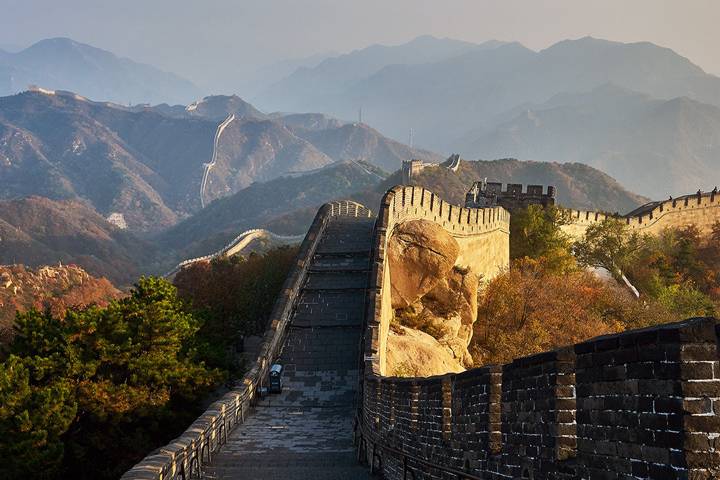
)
(531, 309)
(549, 298)
(234, 298)
(54, 288)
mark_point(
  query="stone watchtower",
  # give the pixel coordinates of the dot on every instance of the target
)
(489, 194)
(410, 168)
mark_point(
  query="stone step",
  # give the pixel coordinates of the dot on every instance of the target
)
(322, 308)
(340, 263)
(311, 349)
(336, 281)
(306, 431)
(283, 466)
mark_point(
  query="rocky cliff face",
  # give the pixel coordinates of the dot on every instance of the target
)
(435, 301)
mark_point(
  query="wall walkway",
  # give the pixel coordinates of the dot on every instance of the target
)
(315, 330)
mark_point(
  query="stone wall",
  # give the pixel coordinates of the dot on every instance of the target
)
(482, 234)
(641, 404)
(184, 456)
(701, 210)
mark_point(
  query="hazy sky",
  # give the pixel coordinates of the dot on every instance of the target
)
(200, 39)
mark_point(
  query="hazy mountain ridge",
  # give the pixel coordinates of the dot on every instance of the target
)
(260, 203)
(61, 63)
(334, 74)
(459, 102)
(147, 163)
(656, 147)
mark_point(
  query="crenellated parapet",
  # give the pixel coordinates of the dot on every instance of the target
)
(486, 194)
(481, 233)
(700, 209)
(640, 404)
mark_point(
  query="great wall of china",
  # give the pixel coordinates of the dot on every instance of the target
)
(237, 245)
(699, 209)
(637, 405)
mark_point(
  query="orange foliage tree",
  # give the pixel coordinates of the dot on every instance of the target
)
(531, 309)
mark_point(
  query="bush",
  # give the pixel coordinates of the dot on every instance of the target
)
(531, 309)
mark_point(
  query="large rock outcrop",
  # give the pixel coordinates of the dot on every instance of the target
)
(420, 253)
(412, 353)
(435, 301)
(455, 298)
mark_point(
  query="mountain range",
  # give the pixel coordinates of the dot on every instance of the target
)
(262, 202)
(64, 64)
(488, 100)
(143, 166)
(37, 231)
(469, 99)
(307, 87)
(657, 147)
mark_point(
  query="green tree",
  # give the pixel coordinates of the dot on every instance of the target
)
(685, 301)
(536, 233)
(141, 377)
(608, 244)
(35, 410)
(104, 386)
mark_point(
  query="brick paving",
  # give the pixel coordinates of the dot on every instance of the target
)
(306, 432)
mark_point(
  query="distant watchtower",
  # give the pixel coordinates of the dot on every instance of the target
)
(489, 194)
(410, 168)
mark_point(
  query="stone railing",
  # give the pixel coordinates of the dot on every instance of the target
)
(184, 456)
(481, 233)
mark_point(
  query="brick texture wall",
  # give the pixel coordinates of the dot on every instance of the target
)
(638, 405)
(483, 235)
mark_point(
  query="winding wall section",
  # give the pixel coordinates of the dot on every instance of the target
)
(185, 456)
(638, 405)
(237, 245)
(700, 209)
(208, 166)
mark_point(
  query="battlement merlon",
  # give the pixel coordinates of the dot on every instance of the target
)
(488, 194)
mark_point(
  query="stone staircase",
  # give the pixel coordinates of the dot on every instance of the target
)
(306, 432)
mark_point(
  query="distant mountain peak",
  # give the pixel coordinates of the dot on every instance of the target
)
(62, 63)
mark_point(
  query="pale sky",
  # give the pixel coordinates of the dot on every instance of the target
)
(201, 39)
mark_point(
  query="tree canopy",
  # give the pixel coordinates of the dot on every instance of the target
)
(535, 233)
(88, 396)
